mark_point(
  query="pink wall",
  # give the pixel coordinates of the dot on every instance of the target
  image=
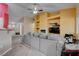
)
(4, 15)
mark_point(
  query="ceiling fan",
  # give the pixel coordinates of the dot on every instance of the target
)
(35, 8)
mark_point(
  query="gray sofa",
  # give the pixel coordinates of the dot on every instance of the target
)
(49, 45)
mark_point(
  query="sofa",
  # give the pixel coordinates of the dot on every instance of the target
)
(49, 45)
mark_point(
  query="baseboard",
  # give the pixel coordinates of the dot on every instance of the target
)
(6, 52)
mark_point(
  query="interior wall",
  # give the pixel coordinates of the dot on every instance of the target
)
(43, 25)
(77, 19)
(54, 21)
(27, 24)
(67, 22)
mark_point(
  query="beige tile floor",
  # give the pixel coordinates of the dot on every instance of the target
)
(23, 50)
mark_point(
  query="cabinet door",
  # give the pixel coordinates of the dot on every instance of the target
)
(48, 47)
(29, 38)
(26, 39)
(5, 42)
(35, 43)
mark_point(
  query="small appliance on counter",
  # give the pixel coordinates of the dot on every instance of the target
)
(69, 38)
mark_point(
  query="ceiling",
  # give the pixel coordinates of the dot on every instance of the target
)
(18, 10)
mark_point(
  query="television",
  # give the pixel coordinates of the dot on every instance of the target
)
(55, 30)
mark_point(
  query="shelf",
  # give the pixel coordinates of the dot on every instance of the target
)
(54, 17)
(36, 24)
(37, 28)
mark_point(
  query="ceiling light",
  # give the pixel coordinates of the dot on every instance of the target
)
(35, 8)
(35, 12)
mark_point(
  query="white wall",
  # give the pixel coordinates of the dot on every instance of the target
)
(27, 24)
(77, 20)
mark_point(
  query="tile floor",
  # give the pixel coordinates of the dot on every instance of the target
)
(23, 50)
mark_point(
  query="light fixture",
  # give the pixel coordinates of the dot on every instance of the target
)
(35, 11)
